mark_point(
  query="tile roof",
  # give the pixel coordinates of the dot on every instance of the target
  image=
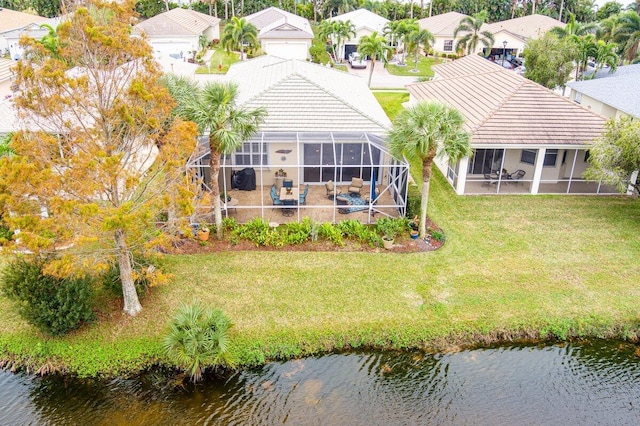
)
(527, 27)
(459, 68)
(363, 18)
(12, 20)
(620, 89)
(176, 22)
(504, 108)
(277, 23)
(444, 24)
(302, 96)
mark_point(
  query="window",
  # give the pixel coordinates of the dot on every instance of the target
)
(577, 98)
(550, 158)
(448, 45)
(528, 156)
(249, 155)
(587, 154)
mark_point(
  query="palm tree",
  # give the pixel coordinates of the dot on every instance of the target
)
(627, 34)
(575, 28)
(343, 30)
(406, 27)
(585, 49)
(50, 41)
(417, 39)
(213, 108)
(424, 131)
(198, 337)
(472, 27)
(374, 46)
(237, 32)
(605, 54)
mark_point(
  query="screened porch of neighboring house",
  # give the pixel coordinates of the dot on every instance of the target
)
(259, 169)
(544, 170)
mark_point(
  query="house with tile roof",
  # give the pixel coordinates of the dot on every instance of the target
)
(511, 36)
(365, 23)
(177, 32)
(282, 34)
(321, 125)
(611, 94)
(442, 27)
(515, 125)
(11, 20)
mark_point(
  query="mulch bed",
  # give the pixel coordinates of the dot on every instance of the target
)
(402, 244)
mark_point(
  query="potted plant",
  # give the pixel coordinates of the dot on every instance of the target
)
(390, 228)
(203, 232)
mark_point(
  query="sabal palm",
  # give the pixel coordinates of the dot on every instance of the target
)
(424, 131)
(374, 46)
(237, 32)
(198, 337)
(471, 26)
(627, 35)
(417, 39)
(213, 108)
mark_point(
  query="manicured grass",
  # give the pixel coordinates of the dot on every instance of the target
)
(512, 266)
(424, 66)
(391, 102)
(220, 57)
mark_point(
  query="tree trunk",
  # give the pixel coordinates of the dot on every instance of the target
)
(373, 64)
(426, 180)
(214, 167)
(166, 4)
(430, 7)
(233, 8)
(561, 8)
(131, 303)
(226, 10)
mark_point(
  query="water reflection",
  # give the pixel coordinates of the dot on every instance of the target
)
(592, 383)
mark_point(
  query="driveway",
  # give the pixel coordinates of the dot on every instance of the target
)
(381, 77)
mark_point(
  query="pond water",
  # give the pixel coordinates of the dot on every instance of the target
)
(589, 383)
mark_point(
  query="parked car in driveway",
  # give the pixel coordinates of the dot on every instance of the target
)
(357, 61)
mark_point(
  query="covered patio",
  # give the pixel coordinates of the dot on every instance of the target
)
(308, 159)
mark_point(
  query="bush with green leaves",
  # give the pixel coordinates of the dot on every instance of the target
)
(391, 227)
(198, 338)
(52, 304)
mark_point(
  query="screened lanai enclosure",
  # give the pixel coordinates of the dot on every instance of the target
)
(331, 177)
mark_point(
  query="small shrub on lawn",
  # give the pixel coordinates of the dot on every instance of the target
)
(53, 305)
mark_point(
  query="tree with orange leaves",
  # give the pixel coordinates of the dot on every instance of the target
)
(98, 155)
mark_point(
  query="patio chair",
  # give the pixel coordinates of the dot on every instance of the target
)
(489, 180)
(303, 197)
(517, 176)
(287, 183)
(356, 185)
(275, 198)
(332, 190)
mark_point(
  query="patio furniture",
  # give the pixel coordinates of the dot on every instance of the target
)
(303, 197)
(517, 176)
(356, 185)
(275, 198)
(289, 207)
(332, 190)
(287, 183)
(489, 180)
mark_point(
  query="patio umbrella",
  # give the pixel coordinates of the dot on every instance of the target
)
(374, 178)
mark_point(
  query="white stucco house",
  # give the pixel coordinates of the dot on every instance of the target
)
(526, 139)
(177, 32)
(516, 32)
(282, 34)
(611, 94)
(10, 22)
(442, 27)
(365, 23)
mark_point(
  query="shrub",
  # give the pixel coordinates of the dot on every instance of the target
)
(391, 227)
(52, 304)
(199, 337)
(437, 235)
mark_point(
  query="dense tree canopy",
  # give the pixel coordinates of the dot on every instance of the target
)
(550, 60)
(102, 157)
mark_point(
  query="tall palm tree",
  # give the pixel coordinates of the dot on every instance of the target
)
(575, 28)
(406, 27)
(627, 34)
(343, 30)
(585, 49)
(213, 108)
(471, 26)
(424, 131)
(375, 47)
(605, 54)
(237, 32)
(417, 39)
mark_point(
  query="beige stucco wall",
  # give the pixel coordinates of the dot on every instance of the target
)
(212, 33)
(596, 106)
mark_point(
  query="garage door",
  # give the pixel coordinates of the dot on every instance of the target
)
(289, 50)
(174, 49)
(348, 49)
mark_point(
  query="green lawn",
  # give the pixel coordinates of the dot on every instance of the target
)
(424, 66)
(220, 62)
(391, 102)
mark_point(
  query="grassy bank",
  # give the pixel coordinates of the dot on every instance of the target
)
(513, 266)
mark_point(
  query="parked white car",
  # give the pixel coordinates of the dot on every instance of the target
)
(356, 61)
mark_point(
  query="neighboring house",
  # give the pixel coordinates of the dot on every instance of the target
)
(10, 21)
(177, 32)
(365, 23)
(442, 27)
(611, 94)
(282, 34)
(515, 124)
(322, 125)
(516, 32)
(32, 30)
